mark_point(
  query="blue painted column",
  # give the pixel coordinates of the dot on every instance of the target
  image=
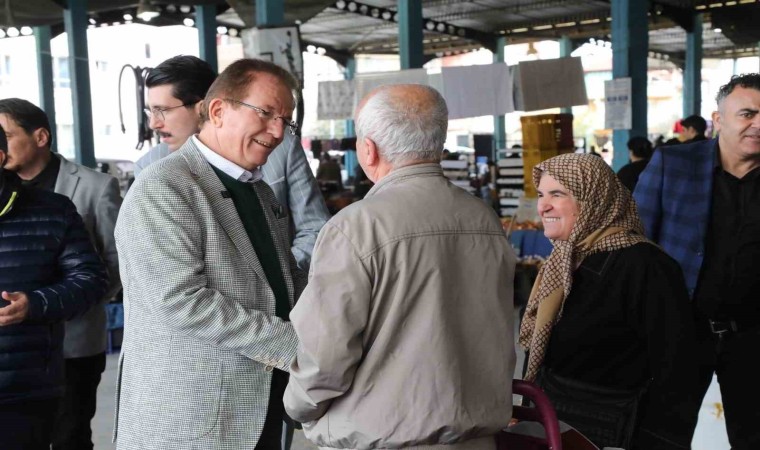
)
(270, 12)
(75, 24)
(349, 75)
(630, 49)
(692, 73)
(565, 49)
(499, 122)
(350, 157)
(42, 37)
(205, 21)
(410, 34)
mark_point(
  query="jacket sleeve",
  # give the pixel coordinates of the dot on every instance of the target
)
(83, 276)
(648, 195)
(671, 404)
(329, 319)
(106, 213)
(162, 242)
(307, 206)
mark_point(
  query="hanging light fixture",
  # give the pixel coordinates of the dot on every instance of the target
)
(146, 11)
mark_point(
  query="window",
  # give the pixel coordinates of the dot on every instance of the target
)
(61, 77)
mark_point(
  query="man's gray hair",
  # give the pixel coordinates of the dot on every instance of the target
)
(405, 129)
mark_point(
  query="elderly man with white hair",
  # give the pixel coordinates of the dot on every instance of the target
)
(406, 326)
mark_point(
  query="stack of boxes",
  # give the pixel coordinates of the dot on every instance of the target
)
(544, 136)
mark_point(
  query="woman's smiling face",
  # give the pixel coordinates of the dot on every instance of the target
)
(557, 208)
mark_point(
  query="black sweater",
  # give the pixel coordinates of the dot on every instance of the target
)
(627, 321)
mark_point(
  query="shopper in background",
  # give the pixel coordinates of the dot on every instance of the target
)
(97, 198)
(607, 327)
(701, 203)
(50, 273)
(694, 129)
(176, 88)
(639, 152)
(406, 326)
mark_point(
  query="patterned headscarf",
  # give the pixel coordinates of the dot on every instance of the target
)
(607, 220)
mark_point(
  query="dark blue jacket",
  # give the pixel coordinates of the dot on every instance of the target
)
(45, 252)
(674, 196)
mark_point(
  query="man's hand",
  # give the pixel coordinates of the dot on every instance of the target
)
(17, 311)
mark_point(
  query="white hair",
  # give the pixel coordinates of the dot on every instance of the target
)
(405, 129)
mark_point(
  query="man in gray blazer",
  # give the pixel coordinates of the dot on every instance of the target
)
(97, 199)
(175, 90)
(209, 279)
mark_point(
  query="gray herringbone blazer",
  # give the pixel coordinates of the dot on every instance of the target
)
(200, 335)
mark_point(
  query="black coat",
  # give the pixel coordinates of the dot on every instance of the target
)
(45, 252)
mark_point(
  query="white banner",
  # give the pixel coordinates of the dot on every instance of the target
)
(617, 104)
(479, 90)
(281, 46)
(335, 100)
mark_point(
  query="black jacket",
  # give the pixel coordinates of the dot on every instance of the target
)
(45, 252)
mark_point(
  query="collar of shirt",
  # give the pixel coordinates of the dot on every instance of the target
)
(227, 166)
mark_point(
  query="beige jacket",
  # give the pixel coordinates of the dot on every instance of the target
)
(406, 326)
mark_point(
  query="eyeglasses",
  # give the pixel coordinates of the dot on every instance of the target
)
(267, 115)
(160, 113)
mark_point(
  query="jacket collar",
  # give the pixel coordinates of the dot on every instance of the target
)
(68, 179)
(404, 173)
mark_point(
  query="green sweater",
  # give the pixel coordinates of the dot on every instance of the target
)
(255, 223)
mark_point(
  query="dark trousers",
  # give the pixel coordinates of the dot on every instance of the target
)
(77, 408)
(731, 358)
(27, 425)
(271, 436)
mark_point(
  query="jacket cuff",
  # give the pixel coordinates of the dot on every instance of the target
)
(37, 307)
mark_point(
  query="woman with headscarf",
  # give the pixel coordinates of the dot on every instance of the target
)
(608, 327)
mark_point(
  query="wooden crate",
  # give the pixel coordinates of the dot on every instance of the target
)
(547, 131)
(533, 156)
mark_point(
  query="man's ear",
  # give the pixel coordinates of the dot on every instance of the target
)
(216, 112)
(41, 137)
(3, 158)
(716, 120)
(372, 154)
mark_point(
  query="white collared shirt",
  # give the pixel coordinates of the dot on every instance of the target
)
(227, 166)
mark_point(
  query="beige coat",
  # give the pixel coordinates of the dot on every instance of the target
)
(406, 326)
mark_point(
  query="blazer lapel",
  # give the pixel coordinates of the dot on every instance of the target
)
(224, 208)
(67, 180)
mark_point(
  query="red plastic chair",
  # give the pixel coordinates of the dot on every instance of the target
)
(543, 413)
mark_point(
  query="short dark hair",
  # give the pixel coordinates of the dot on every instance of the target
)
(3, 141)
(233, 82)
(641, 147)
(27, 115)
(745, 80)
(696, 122)
(190, 77)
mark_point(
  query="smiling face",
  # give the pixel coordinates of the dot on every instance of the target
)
(178, 124)
(557, 207)
(738, 122)
(246, 136)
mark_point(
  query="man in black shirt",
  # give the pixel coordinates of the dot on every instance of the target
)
(701, 202)
(639, 151)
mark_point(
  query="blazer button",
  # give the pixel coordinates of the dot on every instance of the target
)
(268, 368)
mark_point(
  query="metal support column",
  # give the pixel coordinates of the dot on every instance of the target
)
(205, 21)
(42, 37)
(270, 13)
(75, 24)
(349, 75)
(410, 34)
(630, 49)
(499, 122)
(565, 49)
(692, 73)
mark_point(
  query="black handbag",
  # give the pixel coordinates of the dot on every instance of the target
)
(606, 416)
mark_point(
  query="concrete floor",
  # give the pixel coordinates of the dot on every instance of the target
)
(710, 433)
